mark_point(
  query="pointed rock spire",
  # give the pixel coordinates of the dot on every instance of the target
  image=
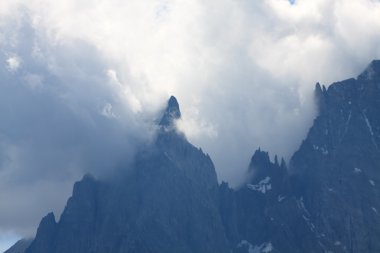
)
(320, 90)
(320, 94)
(171, 113)
(276, 160)
(46, 232)
(259, 158)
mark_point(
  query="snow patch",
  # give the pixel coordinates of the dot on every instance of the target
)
(323, 150)
(370, 130)
(309, 223)
(374, 209)
(266, 247)
(306, 214)
(357, 170)
(301, 205)
(280, 198)
(347, 124)
(368, 125)
(263, 186)
(372, 182)
(337, 243)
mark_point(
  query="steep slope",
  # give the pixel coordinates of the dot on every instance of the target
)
(329, 201)
(168, 199)
(337, 168)
(264, 215)
(20, 246)
(165, 202)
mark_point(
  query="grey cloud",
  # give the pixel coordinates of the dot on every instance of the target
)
(53, 127)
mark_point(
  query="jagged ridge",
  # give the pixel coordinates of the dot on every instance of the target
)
(169, 200)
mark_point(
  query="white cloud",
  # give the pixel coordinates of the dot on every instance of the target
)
(243, 72)
(107, 111)
(13, 63)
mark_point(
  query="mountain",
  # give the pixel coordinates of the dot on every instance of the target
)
(168, 199)
(327, 200)
(264, 215)
(337, 167)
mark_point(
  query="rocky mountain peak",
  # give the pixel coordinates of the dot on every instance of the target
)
(48, 220)
(320, 95)
(171, 113)
(45, 236)
(260, 158)
(166, 201)
(169, 199)
(262, 169)
(86, 185)
(372, 72)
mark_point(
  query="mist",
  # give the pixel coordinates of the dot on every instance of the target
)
(82, 82)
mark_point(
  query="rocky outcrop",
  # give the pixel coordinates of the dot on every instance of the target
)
(337, 168)
(168, 199)
(328, 198)
(264, 215)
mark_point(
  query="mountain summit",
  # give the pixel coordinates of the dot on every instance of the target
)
(165, 201)
(372, 71)
(171, 113)
(168, 199)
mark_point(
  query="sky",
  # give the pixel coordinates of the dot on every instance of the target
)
(82, 82)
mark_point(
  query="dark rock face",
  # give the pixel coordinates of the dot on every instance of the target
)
(264, 215)
(329, 201)
(325, 200)
(166, 202)
(337, 168)
(46, 234)
(171, 113)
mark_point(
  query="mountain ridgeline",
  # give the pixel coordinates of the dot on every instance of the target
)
(327, 199)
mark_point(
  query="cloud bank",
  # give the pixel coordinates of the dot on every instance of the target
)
(80, 81)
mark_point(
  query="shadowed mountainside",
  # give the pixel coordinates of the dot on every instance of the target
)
(168, 200)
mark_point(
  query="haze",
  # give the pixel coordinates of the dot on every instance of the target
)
(83, 81)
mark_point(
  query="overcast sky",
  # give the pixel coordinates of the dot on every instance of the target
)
(82, 81)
